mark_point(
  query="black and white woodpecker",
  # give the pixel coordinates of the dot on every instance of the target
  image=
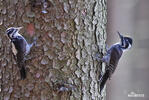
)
(112, 58)
(20, 48)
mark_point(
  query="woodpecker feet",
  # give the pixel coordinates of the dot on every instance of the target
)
(34, 40)
(97, 57)
(64, 87)
(107, 47)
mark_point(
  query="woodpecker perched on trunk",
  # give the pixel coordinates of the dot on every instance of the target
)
(112, 57)
(20, 48)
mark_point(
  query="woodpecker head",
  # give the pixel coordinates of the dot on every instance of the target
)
(12, 31)
(126, 42)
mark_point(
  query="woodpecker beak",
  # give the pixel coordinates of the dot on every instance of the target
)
(121, 37)
(19, 28)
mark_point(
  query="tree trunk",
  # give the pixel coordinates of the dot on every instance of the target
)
(61, 66)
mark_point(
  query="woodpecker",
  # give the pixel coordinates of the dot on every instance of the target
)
(20, 48)
(112, 58)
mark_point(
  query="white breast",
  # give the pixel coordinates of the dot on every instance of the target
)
(14, 49)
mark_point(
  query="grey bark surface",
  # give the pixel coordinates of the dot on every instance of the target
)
(69, 36)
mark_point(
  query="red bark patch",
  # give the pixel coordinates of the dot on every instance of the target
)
(31, 29)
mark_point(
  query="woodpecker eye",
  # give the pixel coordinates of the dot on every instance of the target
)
(9, 31)
(129, 40)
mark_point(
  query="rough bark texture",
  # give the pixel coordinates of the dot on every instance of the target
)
(68, 39)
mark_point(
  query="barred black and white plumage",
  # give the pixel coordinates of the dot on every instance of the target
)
(21, 47)
(112, 58)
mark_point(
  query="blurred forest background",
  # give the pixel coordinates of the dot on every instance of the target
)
(130, 17)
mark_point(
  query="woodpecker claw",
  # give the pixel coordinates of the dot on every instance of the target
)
(97, 57)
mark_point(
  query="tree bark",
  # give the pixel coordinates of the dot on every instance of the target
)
(61, 66)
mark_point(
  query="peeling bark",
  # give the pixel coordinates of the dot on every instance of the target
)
(61, 66)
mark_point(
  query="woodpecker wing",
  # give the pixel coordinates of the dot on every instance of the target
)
(115, 53)
(20, 46)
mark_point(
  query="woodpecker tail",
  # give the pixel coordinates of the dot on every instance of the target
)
(21, 65)
(103, 80)
(23, 73)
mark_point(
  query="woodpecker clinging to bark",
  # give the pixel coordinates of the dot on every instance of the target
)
(20, 48)
(112, 57)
